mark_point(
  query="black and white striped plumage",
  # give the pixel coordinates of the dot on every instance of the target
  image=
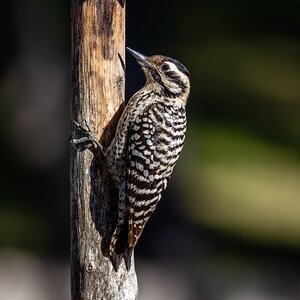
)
(147, 144)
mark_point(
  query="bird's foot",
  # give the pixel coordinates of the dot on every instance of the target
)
(89, 138)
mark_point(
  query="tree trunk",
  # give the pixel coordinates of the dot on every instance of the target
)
(98, 84)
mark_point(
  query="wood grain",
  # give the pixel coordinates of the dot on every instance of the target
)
(98, 85)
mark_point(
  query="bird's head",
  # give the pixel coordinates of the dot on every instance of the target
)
(167, 76)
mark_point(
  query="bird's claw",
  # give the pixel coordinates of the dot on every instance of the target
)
(89, 138)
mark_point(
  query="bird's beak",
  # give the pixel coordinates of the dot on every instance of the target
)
(141, 58)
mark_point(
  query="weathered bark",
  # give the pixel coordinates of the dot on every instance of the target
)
(98, 84)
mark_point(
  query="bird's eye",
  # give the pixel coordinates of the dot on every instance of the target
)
(165, 67)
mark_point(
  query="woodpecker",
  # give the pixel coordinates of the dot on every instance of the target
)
(149, 138)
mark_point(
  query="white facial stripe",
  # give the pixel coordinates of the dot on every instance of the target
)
(176, 82)
(172, 66)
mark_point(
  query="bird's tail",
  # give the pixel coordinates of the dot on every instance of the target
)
(119, 248)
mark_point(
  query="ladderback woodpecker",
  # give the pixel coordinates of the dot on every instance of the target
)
(148, 140)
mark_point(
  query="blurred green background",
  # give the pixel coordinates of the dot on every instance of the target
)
(228, 227)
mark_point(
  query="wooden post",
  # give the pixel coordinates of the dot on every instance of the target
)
(98, 84)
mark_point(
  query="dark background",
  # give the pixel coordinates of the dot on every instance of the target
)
(228, 227)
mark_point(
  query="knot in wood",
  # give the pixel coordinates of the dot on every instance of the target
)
(90, 267)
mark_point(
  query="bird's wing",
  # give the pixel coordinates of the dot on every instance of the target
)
(147, 169)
